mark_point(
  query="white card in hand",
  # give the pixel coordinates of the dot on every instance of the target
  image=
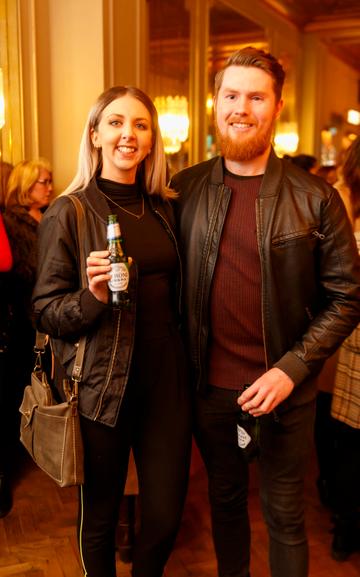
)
(243, 437)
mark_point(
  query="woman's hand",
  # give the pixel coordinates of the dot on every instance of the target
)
(98, 273)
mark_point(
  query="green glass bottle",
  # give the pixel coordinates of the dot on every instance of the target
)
(119, 282)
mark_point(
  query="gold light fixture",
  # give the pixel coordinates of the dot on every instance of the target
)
(209, 104)
(2, 100)
(173, 121)
(353, 117)
(286, 138)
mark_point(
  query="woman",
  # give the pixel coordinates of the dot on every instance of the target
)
(133, 391)
(28, 192)
(5, 266)
(346, 396)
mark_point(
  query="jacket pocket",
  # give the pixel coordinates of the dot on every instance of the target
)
(311, 235)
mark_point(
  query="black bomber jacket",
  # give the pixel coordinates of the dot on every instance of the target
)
(66, 312)
(309, 266)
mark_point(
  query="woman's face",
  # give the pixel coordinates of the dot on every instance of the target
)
(124, 135)
(41, 191)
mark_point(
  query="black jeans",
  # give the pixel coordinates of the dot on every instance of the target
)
(155, 419)
(346, 471)
(285, 444)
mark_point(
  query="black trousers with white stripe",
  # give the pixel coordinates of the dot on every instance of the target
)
(155, 420)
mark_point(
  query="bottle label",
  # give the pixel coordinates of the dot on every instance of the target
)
(119, 277)
(243, 437)
(113, 230)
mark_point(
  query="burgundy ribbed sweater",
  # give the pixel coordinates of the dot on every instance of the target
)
(236, 354)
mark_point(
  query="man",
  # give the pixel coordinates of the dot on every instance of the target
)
(271, 289)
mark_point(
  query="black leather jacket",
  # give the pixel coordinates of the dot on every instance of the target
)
(65, 311)
(309, 265)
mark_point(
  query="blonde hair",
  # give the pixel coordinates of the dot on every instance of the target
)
(152, 170)
(22, 179)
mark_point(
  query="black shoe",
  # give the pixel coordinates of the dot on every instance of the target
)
(346, 539)
(5, 496)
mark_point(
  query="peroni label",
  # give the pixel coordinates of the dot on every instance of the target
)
(119, 277)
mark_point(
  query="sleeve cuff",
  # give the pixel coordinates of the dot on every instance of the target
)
(294, 367)
(91, 307)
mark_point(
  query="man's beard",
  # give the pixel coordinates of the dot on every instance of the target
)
(245, 148)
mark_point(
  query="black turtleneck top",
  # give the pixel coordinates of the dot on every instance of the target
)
(147, 242)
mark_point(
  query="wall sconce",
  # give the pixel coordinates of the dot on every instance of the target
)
(353, 117)
(2, 100)
(209, 104)
(173, 121)
(286, 138)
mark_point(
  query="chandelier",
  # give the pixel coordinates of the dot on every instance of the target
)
(173, 121)
(286, 138)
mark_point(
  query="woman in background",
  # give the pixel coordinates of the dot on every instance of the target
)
(28, 193)
(345, 407)
(134, 390)
(5, 266)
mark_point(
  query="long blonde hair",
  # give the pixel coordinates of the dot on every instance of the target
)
(22, 179)
(152, 170)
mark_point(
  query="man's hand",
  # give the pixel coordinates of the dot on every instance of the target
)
(266, 392)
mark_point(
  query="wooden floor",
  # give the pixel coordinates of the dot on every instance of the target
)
(37, 539)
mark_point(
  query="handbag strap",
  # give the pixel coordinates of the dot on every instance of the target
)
(42, 338)
(80, 217)
(79, 358)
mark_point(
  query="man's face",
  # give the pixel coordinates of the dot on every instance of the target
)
(245, 113)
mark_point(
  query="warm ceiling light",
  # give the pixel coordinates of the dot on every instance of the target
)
(173, 121)
(286, 138)
(209, 104)
(353, 117)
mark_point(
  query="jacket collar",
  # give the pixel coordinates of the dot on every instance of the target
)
(95, 200)
(272, 176)
(22, 214)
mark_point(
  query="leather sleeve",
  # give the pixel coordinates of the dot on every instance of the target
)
(338, 269)
(62, 309)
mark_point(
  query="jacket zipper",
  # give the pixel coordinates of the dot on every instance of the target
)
(302, 234)
(110, 369)
(261, 255)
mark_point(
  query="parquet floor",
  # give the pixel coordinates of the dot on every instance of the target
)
(37, 539)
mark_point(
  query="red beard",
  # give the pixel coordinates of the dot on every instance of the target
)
(246, 148)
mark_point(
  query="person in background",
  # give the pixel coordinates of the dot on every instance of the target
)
(345, 408)
(5, 266)
(29, 189)
(272, 287)
(306, 162)
(328, 173)
(134, 390)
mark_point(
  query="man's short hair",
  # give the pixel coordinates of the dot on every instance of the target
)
(251, 56)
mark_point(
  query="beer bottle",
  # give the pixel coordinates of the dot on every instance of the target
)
(118, 284)
(248, 432)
